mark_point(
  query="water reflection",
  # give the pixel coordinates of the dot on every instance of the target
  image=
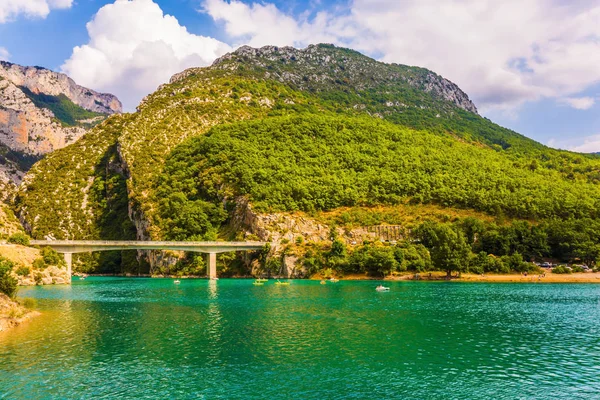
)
(134, 338)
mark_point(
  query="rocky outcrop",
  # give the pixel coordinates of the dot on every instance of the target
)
(27, 129)
(24, 270)
(322, 67)
(41, 111)
(13, 313)
(42, 80)
(281, 228)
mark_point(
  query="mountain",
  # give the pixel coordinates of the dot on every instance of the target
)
(289, 145)
(41, 111)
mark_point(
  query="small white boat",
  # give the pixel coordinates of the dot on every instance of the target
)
(177, 281)
(382, 288)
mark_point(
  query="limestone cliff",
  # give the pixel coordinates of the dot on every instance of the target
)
(41, 111)
(41, 80)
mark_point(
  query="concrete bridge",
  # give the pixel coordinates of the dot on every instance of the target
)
(70, 247)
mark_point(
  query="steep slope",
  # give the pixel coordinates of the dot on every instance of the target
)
(41, 111)
(423, 142)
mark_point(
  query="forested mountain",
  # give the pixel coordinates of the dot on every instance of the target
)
(280, 144)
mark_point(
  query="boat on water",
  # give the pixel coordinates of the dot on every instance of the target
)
(382, 288)
(323, 283)
(333, 280)
(282, 283)
(261, 280)
(257, 283)
(177, 281)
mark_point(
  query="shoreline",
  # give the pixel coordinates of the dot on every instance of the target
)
(545, 277)
(13, 314)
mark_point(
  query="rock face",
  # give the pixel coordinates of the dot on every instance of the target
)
(321, 67)
(41, 80)
(41, 111)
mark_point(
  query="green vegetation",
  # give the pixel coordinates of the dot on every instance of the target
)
(19, 238)
(83, 197)
(8, 284)
(561, 269)
(317, 162)
(67, 112)
(338, 137)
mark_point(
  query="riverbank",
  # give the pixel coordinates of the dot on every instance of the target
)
(545, 277)
(13, 313)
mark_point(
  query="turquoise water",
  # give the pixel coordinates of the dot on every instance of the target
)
(148, 338)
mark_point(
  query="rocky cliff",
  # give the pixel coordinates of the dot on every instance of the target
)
(41, 111)
(41, 80)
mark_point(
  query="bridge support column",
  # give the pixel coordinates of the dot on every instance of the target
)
(69, 261)
(211, 268)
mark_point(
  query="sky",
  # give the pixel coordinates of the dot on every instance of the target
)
(532, 66)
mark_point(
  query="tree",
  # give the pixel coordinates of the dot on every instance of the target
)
(8, 284)
(588, 252)
(447, 245)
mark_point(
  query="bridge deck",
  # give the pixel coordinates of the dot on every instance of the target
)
(84, 246)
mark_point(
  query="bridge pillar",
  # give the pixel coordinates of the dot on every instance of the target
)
(211, 269)
(69, 261)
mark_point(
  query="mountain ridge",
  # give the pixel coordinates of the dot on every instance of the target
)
(111, 183)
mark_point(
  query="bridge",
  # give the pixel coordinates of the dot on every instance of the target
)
(70, 247)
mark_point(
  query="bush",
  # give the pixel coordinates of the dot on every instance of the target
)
(39, 263)
(19, 238)
(8, 284)
(578, 268)
(561, 269)
(23, 270)
(51, 257)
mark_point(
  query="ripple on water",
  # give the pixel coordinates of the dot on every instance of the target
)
(147, 338)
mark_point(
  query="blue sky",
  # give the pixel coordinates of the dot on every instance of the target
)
(530, 66)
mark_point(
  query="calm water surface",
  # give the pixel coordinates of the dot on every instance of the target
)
(148, 338)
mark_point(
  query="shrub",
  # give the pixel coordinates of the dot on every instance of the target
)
(51, 257)
(8, 284)
(23, 270)
(578, 268)
(561, 269)
(19, 238)
(39, 263)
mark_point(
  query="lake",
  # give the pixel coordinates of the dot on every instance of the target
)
(149, 338)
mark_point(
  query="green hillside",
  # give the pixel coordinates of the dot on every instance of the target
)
(309, 131)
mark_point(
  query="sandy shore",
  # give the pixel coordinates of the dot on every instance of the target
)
(548, 277)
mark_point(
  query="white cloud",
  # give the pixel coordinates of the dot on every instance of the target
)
(579, 103)
(501, 53)
(10, 9)
(580, 144)
(591, 144)
(134, 47)
(4, 54)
